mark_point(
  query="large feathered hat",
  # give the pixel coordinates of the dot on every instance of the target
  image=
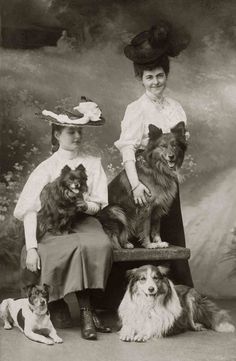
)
(160, 40)
(87, 113)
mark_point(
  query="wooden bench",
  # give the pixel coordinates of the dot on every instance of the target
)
(125, 259)
(141, 254)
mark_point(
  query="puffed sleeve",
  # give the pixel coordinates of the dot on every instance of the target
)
(182, 117)
(97, 196)
(29, 200)
(132, 130)
(180, 113)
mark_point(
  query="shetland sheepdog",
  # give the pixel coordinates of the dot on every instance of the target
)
(153, 307)
(156, 168)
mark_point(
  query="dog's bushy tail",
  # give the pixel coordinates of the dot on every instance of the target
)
(115, 224)
(211, 316)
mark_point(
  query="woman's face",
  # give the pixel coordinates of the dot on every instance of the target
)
(69, 138)
(154, 81)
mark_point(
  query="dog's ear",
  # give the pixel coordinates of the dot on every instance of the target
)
(154, 132)
(65, 170)
(83, 98)
(46, 287)
(164, 270)
(80, 167)
(130, 273)
(28, 288)
(179, 129)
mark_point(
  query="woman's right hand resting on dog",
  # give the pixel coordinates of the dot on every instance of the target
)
(32, 260)
(141, 194)
(139, 190)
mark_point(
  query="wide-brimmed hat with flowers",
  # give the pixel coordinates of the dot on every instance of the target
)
(87, 113)
(162, 39)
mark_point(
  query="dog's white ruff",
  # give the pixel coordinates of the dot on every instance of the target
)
(146, 317)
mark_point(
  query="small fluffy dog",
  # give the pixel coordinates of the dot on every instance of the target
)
(31, 315)
(61, 201)
(156, 167)
(153, 307)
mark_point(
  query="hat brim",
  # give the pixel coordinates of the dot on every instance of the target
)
(143, 58)
(89, 124)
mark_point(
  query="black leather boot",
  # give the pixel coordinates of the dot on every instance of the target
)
(88, 330)
(99, 326)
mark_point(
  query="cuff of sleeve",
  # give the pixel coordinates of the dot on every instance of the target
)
(32, 244)
(128, 154)
(93, 208)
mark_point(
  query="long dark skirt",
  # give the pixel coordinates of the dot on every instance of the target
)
(172, 231)
(73, 262)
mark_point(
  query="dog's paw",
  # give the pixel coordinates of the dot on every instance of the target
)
(163, 244)
(225, 327)
(152, 245)
(49, 342)
(7, 326)
(140, 338)
(126, 335)
(157, 239)
(199, 327)
(128, 245)
(57, 339)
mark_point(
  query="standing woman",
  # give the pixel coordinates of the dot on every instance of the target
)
(78, 262)
(150, 51)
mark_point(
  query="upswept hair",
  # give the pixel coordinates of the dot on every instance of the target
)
(162, 62)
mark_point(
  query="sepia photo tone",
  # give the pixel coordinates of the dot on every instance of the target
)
(139, 96)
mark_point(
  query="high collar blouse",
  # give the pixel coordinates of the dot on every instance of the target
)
(139, 114)
(50, 169)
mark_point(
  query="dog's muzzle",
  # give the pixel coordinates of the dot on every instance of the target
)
(151, 292)
(171, 164)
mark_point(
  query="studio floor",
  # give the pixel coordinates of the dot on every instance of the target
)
(191, 346)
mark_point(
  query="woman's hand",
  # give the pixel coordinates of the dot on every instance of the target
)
(81, 205)
(141, 194)
(32, 260)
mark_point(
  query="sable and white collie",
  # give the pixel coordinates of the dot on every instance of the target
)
(153, 307)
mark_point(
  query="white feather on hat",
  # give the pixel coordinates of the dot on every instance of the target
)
(88, 112)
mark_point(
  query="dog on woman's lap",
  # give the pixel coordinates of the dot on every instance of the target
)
(62, 202)
(153, 307)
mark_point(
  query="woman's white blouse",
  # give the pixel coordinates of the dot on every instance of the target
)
(139, 114)
(50, 169)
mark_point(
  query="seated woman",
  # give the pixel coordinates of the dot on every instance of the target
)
(149, 52)
(77, 262)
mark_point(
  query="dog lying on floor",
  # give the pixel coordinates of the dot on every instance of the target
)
(156, 166)
(153, 307)
(61, 201)
(31, 315)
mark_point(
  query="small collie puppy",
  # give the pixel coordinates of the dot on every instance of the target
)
(31, 315)
(153, 307)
